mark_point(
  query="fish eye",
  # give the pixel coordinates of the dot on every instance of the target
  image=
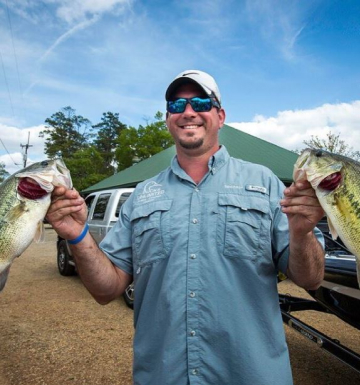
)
(44, 163)
(319, 153)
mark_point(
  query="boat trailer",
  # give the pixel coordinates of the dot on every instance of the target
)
(289, 304)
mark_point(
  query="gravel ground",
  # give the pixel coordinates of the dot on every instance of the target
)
(53, 332)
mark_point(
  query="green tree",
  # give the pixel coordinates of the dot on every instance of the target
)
(126, 152)
(3, 173)
(66, 133)
(333, 144)
(139, 144)
(86, 167)
(109, 129)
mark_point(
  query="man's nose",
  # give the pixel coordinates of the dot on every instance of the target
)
(189, 110)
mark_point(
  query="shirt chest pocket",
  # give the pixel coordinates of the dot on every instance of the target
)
(151, 231)
(242, 222)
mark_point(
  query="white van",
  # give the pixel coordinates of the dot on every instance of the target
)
(103, 212)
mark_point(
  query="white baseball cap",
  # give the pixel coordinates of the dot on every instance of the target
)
(204, 80)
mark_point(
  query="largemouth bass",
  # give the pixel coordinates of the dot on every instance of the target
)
(24, 200)
(336, 181)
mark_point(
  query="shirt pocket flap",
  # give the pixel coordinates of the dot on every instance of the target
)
(244, 208)
(150, 211)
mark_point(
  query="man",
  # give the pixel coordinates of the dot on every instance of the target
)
(203, 242)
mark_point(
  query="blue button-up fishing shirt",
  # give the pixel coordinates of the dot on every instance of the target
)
(205, 258)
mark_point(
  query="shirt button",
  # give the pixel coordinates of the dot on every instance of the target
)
(196, 189)
(194, 372)
(192, 333)
(193, 256)
(195, 221)
(192, 294)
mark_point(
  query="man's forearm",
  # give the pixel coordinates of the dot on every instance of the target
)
(306, 261)
(102, 279)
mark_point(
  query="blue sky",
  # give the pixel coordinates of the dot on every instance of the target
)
(286, 69)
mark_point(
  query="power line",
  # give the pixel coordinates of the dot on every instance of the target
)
(16, 164)
(7, 85)
(15, 56)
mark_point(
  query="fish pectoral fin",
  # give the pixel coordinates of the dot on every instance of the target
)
(40, 232)
(15, 212)
(332, 229)
(3, 277)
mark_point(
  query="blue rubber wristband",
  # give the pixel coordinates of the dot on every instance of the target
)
(80, 237)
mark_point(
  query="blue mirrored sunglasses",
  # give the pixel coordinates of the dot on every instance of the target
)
(197, 104)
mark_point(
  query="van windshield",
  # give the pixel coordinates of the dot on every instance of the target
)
(123, 198)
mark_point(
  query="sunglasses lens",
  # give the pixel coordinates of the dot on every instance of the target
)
(176, 106)
(198, 105)
(201, 105)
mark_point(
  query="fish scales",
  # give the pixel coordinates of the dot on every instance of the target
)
(336, 181)
(22, 228)
(344, 206)
(24, 200)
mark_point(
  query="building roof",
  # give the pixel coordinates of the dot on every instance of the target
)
(239, 145)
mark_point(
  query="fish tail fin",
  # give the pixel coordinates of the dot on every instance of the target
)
(3, 277)
(40, 232)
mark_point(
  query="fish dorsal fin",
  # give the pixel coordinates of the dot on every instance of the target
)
(332, 229)
(15, 212)
(3, 277)
(40, 232)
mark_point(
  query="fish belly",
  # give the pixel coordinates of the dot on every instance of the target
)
(345, 218)
(16, 235)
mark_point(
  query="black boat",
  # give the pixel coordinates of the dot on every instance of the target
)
(338, 294)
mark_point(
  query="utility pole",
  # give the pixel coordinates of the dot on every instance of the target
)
(26, 149)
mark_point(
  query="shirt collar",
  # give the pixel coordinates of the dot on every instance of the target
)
(218, 159)
(215, 162)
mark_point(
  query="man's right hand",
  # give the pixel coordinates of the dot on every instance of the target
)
(67, 212)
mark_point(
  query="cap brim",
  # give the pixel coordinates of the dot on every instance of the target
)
(179, 82)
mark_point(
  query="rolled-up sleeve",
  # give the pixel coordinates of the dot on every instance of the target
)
(117, 243)
(280, 227)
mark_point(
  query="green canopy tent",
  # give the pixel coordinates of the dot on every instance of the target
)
(239, 144)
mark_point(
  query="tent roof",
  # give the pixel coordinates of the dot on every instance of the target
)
(239, 144)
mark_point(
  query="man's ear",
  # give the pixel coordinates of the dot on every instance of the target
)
(167, 116)
(222, 116)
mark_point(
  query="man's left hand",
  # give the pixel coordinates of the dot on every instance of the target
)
(302, 207)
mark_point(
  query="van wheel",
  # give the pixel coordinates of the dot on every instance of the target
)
(129, 296)
(63, 258)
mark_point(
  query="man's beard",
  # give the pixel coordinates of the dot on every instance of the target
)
(193, 145)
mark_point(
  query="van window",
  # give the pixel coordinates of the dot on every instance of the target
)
(88, 201)
(123, 198)
(100, 208)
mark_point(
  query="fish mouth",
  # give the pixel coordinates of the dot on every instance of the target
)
(299, 172)
(331, 182)
(49, 174)
(30, 189)
(63, 178)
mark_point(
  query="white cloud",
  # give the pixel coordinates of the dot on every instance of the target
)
(77, 10)
(290, 128)
(279, 23)
(69, 33)
(71, 11)
(13, 138)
